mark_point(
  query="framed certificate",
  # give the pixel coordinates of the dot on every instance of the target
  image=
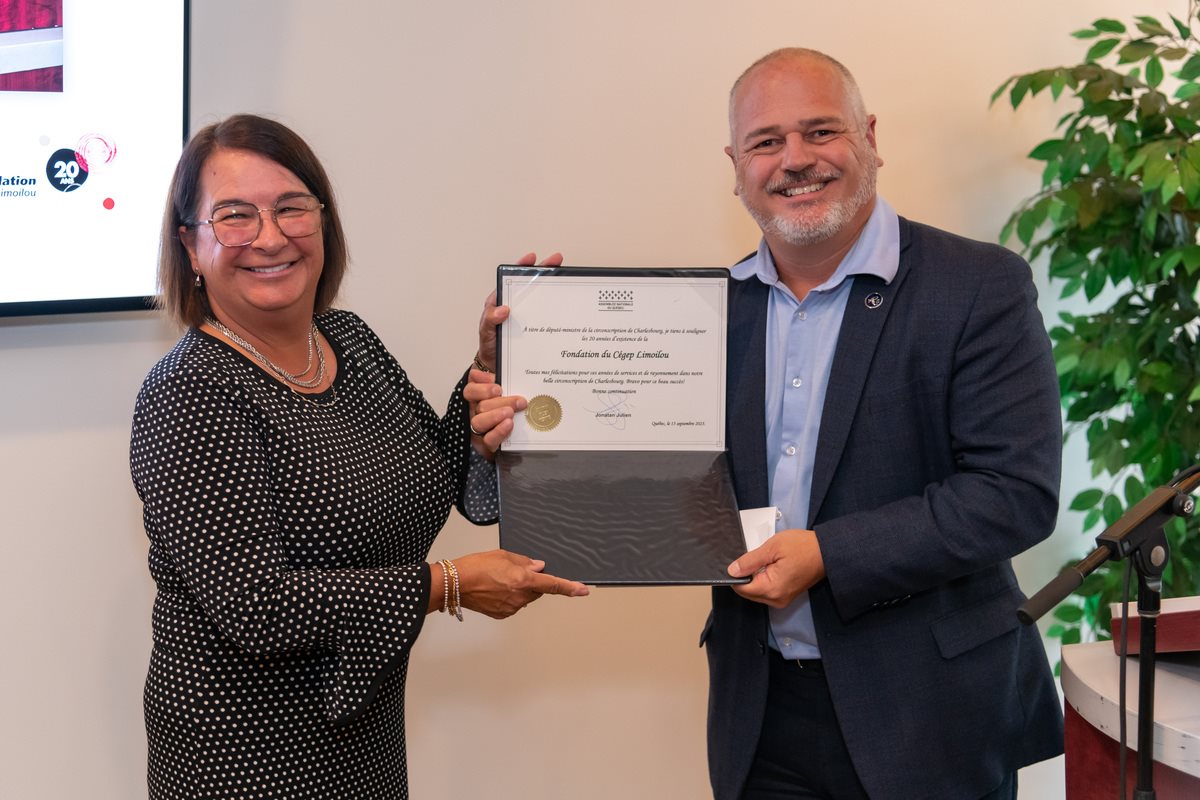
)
(616, 472)
(615, 359)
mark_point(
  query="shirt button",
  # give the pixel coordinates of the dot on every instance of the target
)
(790, 450)
(797, 382)
(801, 315)
(778, 514)
(787, 642)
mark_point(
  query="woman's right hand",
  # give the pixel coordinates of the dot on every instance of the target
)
(499, 583)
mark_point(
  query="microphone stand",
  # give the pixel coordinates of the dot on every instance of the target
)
(1138, 535)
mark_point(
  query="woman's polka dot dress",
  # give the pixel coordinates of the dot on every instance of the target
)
(287, 540)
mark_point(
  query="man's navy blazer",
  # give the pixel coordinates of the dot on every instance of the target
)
(938, 459)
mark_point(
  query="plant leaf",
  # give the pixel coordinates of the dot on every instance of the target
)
(1121, 374)
(1068, 613)
(1152, 27)
(1165, 264)
(1066, 364)
(1019, 88)
(1157, 369)
(1101, 48)
(1006, 231)
(1190, 69)
(1138, 160)
(1051, 148)
(1154, 71)
(1112, 509)
(1170, 185)
(1086, 499)
(1058, 83)
(1109, 25)
(1135, 490)
(1156, 171)
(1050, 173)
(1027, 225)
(1191, 257)
(1000, 89)
(1136, 51)
(1187, 90)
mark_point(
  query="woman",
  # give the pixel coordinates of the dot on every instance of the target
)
(293, 480)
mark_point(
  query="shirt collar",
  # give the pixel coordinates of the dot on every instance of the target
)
(875, 252)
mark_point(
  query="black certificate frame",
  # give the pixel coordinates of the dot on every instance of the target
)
(620, 517)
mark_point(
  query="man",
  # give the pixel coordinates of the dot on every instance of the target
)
(892, 394)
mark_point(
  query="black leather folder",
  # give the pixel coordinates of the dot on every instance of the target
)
(616, 517)
(621, 517)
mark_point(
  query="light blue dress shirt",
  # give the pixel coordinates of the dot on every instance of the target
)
(801, 339)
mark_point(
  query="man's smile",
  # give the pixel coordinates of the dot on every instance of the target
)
(793, 191)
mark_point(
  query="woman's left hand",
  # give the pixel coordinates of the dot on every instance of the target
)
(492, 412)
(493, 314)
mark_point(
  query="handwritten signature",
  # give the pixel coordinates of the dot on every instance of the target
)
(614, 410)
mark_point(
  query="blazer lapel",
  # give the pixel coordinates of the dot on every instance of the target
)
(746, 391)
(867, 310)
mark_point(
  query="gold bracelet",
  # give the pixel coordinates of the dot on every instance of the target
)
(445, 587)
(456, 600)
(480, 365)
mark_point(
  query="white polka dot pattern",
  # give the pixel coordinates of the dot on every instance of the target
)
(287, 542)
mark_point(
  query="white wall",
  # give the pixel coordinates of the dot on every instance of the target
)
(459, 136)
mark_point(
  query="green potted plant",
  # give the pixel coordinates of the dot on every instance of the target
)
(1116, 221)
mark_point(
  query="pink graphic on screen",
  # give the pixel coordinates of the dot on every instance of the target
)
(94, 149)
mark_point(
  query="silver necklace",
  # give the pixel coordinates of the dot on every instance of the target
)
(319, 399)
(294, 380)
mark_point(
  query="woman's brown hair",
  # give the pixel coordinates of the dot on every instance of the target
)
(178, 295)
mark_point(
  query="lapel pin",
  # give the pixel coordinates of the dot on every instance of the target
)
(873, 300)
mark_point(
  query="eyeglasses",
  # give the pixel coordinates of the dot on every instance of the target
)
(239, 224)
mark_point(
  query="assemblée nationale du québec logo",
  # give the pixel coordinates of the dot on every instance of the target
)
(614, 300)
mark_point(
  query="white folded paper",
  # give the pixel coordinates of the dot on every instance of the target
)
(758, 525)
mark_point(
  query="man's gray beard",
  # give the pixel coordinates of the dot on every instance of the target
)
(800, 233)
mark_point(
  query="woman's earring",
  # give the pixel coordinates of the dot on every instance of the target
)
(199, 282)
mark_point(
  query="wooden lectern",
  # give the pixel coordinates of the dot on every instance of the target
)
(1090, 680)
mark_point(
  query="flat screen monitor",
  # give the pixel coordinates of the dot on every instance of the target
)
(93, 115)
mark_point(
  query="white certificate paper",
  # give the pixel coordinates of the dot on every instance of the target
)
(615, 359)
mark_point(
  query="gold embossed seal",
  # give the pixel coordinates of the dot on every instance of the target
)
(544, 413)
